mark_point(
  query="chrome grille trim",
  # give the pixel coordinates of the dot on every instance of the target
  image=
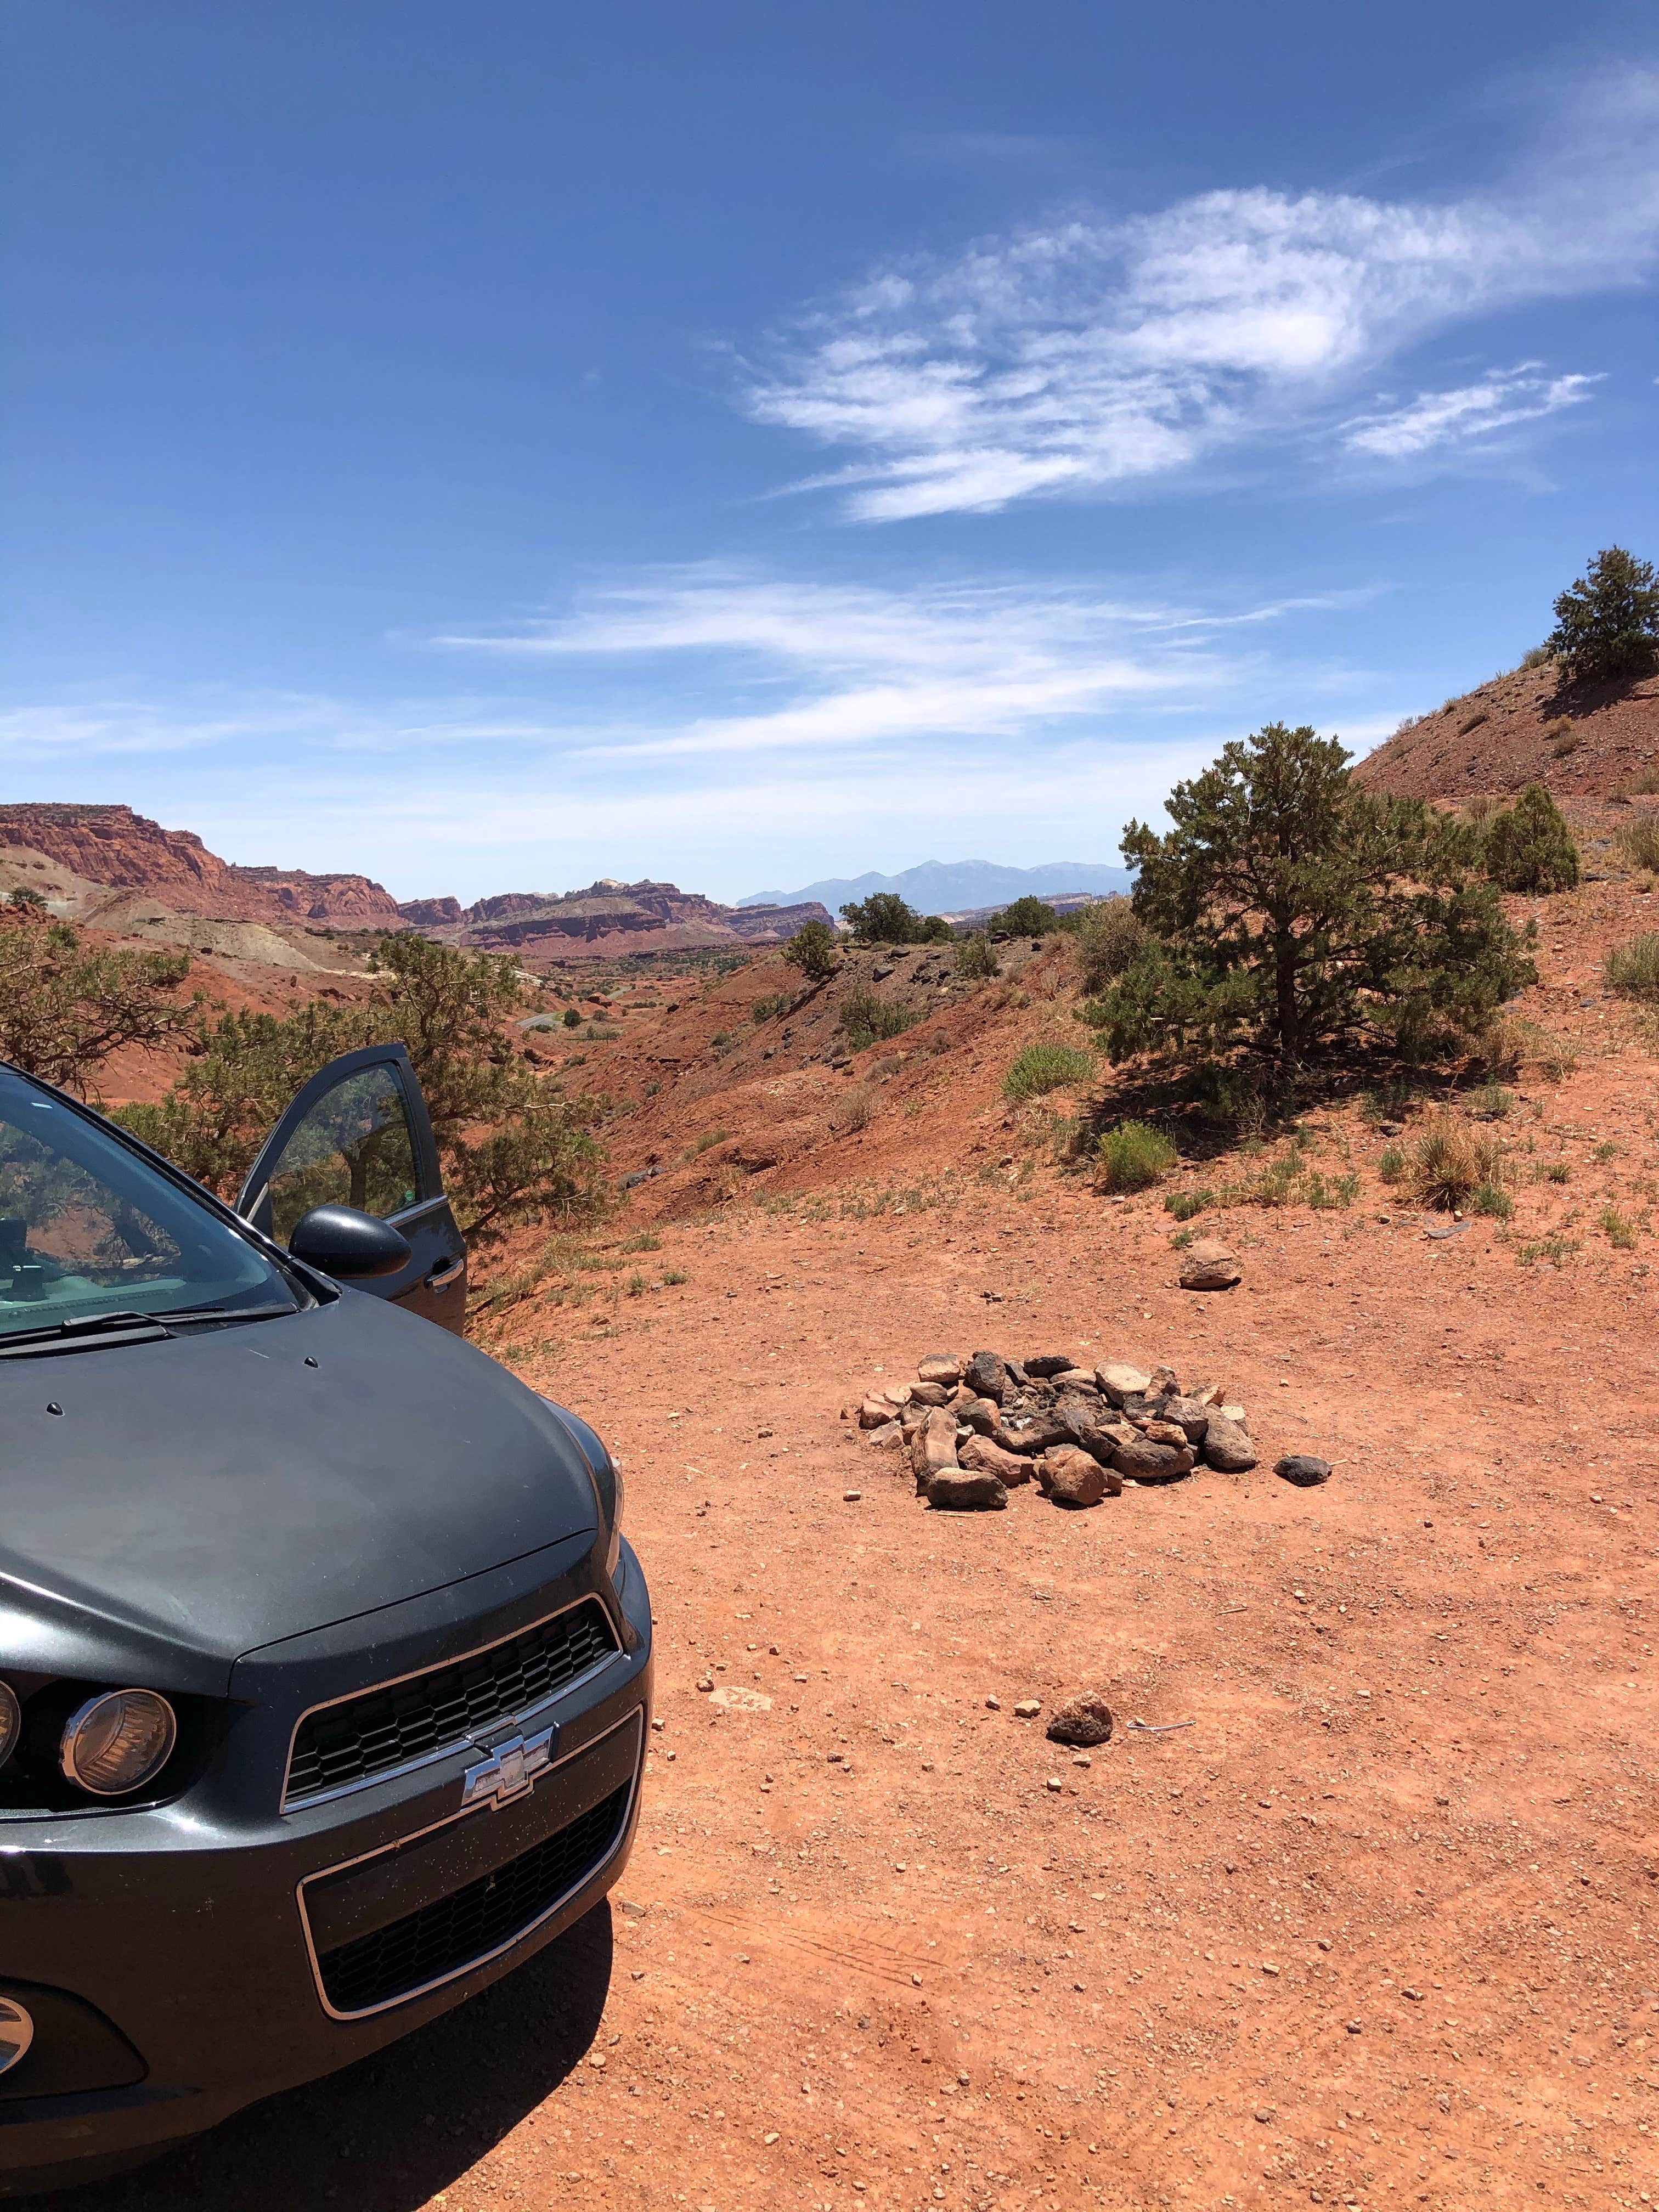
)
(302, 1801)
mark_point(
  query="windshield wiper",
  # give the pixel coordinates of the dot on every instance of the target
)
(88, 1332)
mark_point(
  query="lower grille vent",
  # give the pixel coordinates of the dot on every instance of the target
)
(476, 1921)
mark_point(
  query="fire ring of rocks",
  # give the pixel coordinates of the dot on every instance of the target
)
(974, 1429)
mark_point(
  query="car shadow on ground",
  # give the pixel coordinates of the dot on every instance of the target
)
(387, 2134)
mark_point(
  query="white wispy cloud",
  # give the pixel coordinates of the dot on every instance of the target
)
(1436, 419)
(1093, 354)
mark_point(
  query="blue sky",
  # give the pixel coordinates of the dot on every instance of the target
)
(741, 444)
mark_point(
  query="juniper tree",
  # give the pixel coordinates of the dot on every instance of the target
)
(1607, 624)
(1289, 906)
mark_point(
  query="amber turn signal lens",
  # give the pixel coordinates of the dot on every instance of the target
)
(116, 1743)
(12, 1722)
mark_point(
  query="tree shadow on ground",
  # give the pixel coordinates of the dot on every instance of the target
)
(387, 2134)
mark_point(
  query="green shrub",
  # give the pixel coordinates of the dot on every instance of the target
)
(1632, 969)
(1183, 1203)
(1490, 1198)
(1639, 841)
(1513, 1043)
(1528, 846)
(1605, 1151)
(674, 1276)
(975, 957)
(1564, 740)
(1044, 1068)
(1557, 1171)
(1109, 934)
(814, 950)
(764, 1010)
(573, 1019)
(867, 1018)
(1607, 624)
(1449, 1162)
(1391, 1168)
(1646, 785)
(1617, 1228)
(884, 918)
(1492, 1103)
(1134, 1156)
(1332, 1193)
(643, 1240)
(1026, 917)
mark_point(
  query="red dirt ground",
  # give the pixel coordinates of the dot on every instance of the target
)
(1377, 1930)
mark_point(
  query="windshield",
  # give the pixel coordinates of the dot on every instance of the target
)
(87, 1227)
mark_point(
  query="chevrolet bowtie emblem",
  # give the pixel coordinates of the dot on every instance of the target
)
(510, 1771)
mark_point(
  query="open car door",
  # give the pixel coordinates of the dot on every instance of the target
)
(358, 1134)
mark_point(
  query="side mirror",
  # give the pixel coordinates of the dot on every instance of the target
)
(339, 1240)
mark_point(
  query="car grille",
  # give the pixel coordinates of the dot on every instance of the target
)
(458, 1931)
(386, 1727)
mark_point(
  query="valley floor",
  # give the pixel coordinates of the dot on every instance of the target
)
(1378, 1929)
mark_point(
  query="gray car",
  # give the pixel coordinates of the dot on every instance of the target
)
(325, 1667)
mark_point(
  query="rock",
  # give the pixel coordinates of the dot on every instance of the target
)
(954, 1491)
(1234, 1412)
(960, 1399)
(1017, 1374)
(1209, 1266)
(1227, 1446)
(1049, 1362)
(874, 1413)
(882, 971)
(1079, 1381)
(1073, 1477)
(940, 1367)
(935, 1445)
(1302, 1469)
(1146, 1462)
(1190, 1415)
(1120, 1382)
(1084, 1720)
(1166, 1432)
(983, 1457)
(1161, 1383)
(893, 1433)
(1023, 1441)
(930, 1394)
(987, 1377)
(982, 1415)
(1027, 1709)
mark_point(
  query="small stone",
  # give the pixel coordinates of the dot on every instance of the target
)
(1190, 1415)
(983, 1415)
(1084, 1720)
(930, 1394)
(980, 1456)
(1120, 1382)
(1302, 1469)
(952, 1490)
(893, 1433)
(1081, 1759)
(986, 1376)
(1147, 1461)
(1227, 1446)
(1048, 1363)
(1073, 1477)
(876, 1412)
(1264, 2114)
(1208, 1264)
(1029, 1708)
(943, 1367)
(851, 1496)
(994, 1704)
(1055, 1782)
(1356, 2026)
(1167, 1432)
(707, 1683)
(1161, 1383)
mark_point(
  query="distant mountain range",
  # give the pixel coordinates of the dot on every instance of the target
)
(954, 886)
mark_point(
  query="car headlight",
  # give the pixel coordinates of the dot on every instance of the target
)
(115, 1743)
(12, 1722)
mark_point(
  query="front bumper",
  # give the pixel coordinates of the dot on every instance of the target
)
(240, 1950)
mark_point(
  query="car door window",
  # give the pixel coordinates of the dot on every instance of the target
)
(353, 1147)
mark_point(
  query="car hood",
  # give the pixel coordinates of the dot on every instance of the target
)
(227, 1488)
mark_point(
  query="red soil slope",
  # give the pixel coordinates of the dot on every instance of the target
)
(1584, 741)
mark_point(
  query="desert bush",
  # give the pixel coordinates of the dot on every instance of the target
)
(852, 1110)
(1639, 841)
(1026, 917)
(1109, 934)
(1449, 1162)
(1528, 847)
(1134, 1156)
(766, 1010)
(571, 1017)
(512, 1152)
(1617, 1227)
(867, 1018)
(1564, 740)
(1490, 1198)
(1557, 1171)
(1632, 969)
(1044, 1068)
(64, 1009)
(975, 957)
(1290, 908)
(813, 949)
(1492, 1103)
(1607, 623)
(1646, 785)
(1391, 1167)
(1537, 657)
(1479, 809)
(1514, 1044)
(1184, 1204)
(885, 918)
